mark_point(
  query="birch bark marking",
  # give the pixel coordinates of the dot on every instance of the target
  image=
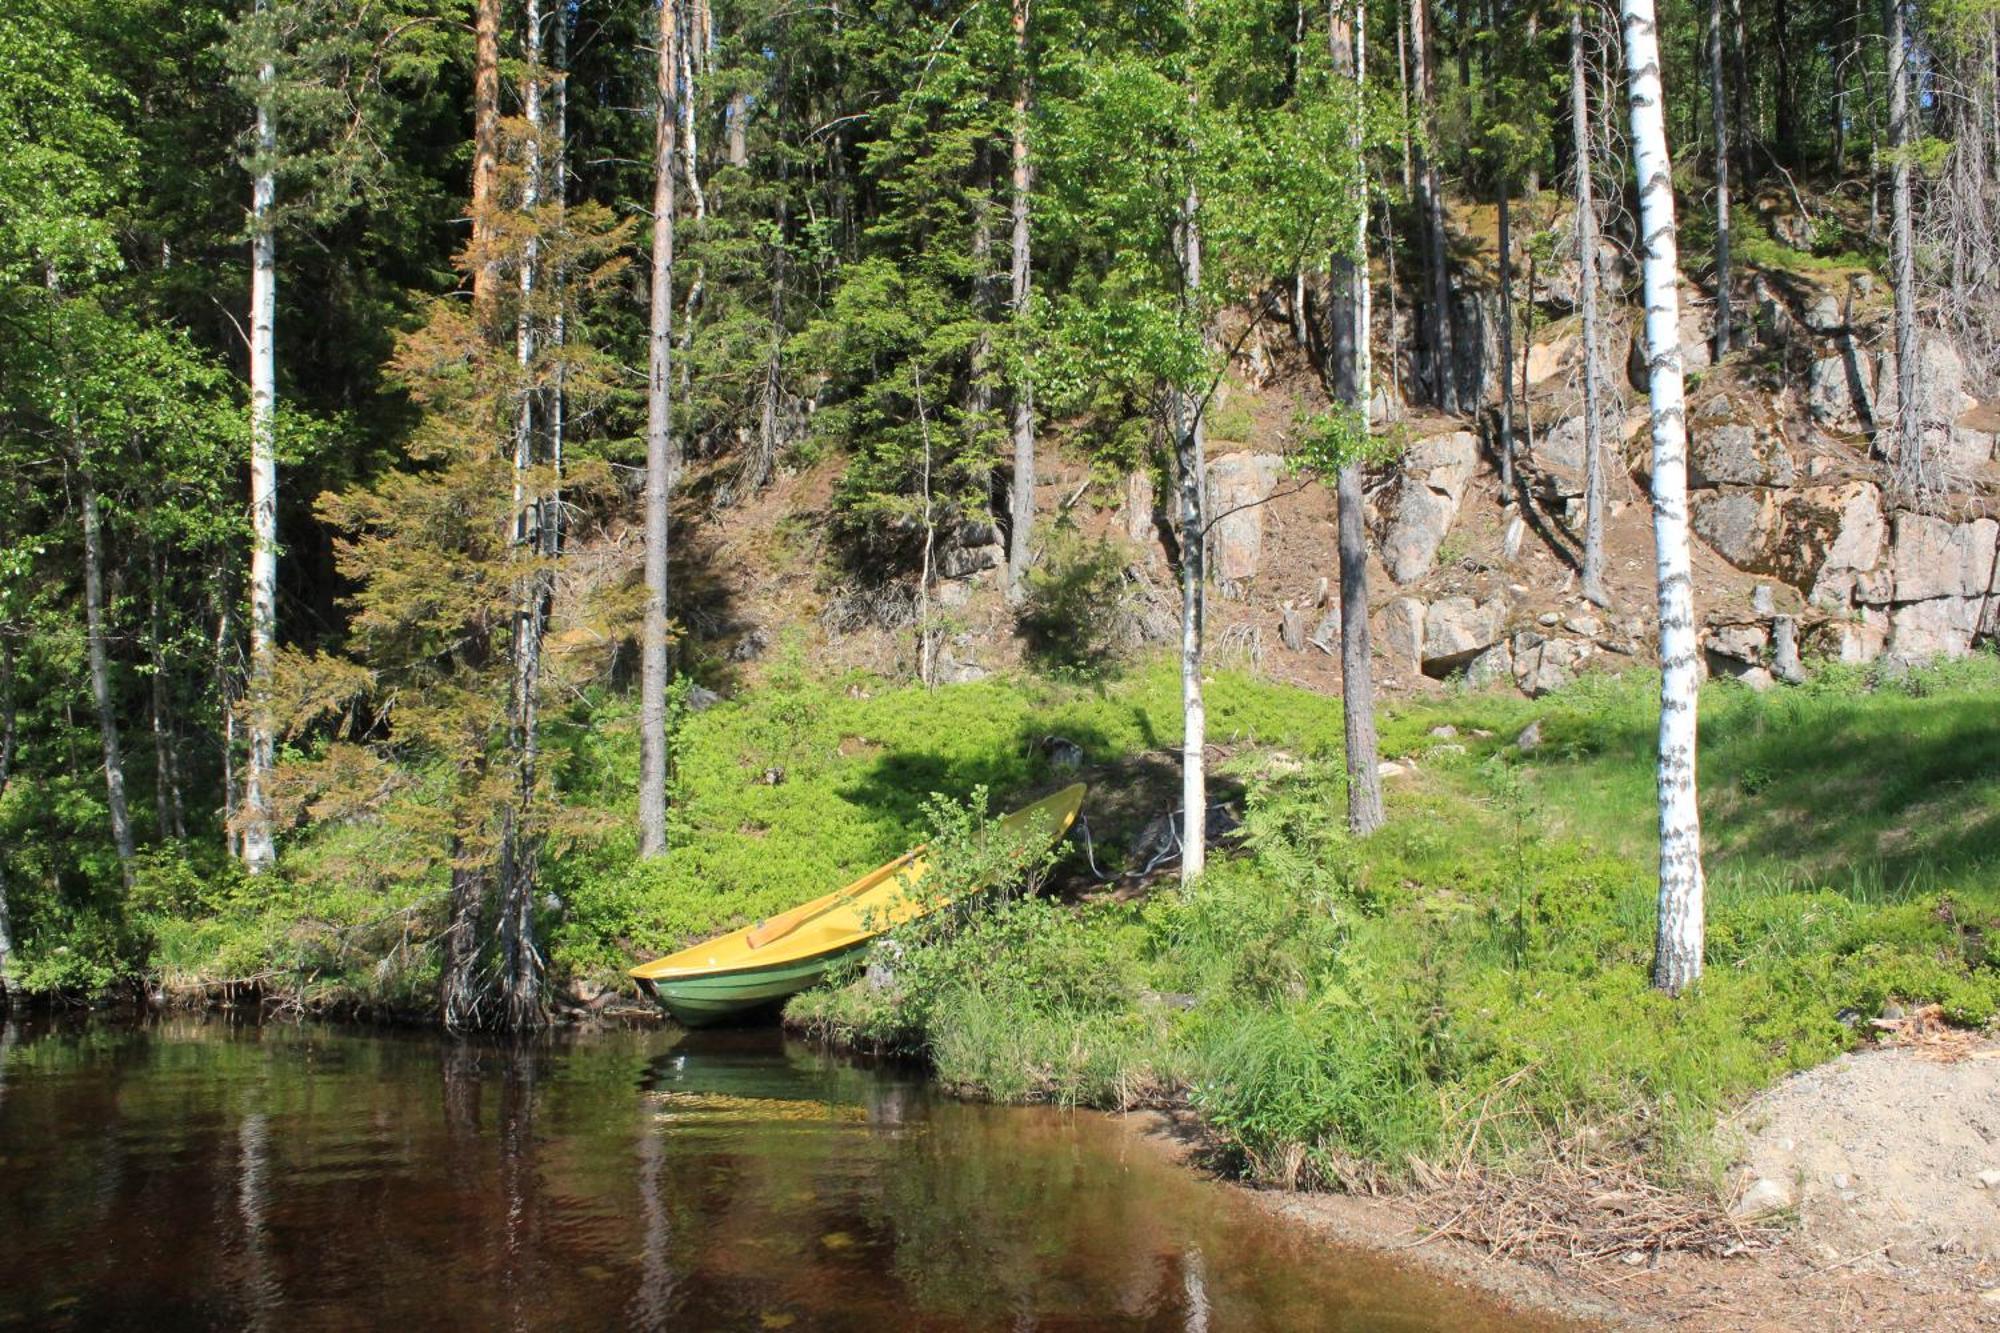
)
(258, 849)
(520, 959)
(1189, 443)
(659, 456)
(1586, 253)
(1021, 497)
(1678, 942)
(1902, 256)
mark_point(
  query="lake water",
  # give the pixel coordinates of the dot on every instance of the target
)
(197, 1173)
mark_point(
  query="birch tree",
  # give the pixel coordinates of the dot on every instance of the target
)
(314, 74)
(1190, 426)
(258, 849)
(1678, 943)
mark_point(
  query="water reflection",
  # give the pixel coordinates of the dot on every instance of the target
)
(197, 1174)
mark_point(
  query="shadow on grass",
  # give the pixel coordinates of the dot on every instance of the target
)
(1873, 794)
(1129, 790)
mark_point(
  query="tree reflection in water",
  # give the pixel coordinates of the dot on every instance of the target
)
(202, 1174)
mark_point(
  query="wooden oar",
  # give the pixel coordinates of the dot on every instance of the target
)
(785, 923)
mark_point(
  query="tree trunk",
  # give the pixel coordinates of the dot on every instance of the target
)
(1531, 190)
(1506, 241)
(1357, 671)
(1720, 122)
(1189, 428)
(226, 692)
(458, 991)
(1678, 944)
(1364, 292)
(7, 732)
(979, 361)
(520, 960)
(1353, 383)
(558, 191)
(100, 673)
(458, 995)
(1021, 498)
(485, 161)
(1784, 89)
(926, 631)
(739, 130)
(1586, 252)
(1910, 463)
(1403, 95)
(1430, 202)
(259, 850)
(1739, 96)
(1843, 51)
(168, 810)
(659, 457)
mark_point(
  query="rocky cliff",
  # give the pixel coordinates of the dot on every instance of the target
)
(1803, 547)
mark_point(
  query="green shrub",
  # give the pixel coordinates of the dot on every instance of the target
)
(1076, 614)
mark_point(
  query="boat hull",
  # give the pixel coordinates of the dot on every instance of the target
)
(724, 997)
(757, 967)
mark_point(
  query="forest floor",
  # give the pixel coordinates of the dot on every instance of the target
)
(1798, 1280)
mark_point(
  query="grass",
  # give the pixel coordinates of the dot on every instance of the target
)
(1469, 984)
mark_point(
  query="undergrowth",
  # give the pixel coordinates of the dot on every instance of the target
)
(1467, 985)
(1471, 983)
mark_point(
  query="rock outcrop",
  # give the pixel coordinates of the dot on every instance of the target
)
(1435, 473)
(1239, 484)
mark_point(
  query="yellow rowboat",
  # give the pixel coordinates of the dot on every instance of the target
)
(761, 965)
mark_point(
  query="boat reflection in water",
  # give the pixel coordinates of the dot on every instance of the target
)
(201, 1174)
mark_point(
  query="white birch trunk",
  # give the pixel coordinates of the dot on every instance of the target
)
(1189, 430)
(521, 961)
(659, 456)
(258, 849)
(1678, 943)
(558, 323)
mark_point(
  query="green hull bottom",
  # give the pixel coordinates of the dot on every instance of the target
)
(728, 996)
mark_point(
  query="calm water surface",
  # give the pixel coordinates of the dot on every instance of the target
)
(199, 1174)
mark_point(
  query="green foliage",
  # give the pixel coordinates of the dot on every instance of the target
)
(1473, 978)
(1075, 613)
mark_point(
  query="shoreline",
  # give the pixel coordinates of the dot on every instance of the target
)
(1780, 1288)
(1783, 1286)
